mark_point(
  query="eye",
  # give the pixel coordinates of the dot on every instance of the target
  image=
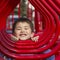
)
(26, 28)
(18, 29)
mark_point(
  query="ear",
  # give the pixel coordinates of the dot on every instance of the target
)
(32, 35)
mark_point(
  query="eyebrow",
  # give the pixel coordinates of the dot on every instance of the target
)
(20, 27)
(25, 26)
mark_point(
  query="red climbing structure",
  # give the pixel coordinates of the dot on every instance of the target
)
(49, 11)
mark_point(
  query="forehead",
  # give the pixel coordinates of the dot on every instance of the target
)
(22, 24)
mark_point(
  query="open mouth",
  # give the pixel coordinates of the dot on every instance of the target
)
(23, 34)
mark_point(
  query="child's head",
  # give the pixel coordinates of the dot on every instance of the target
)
(23, 28)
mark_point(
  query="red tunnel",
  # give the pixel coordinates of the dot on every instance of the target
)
(49, 13)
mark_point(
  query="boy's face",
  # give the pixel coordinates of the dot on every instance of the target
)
(23, 31)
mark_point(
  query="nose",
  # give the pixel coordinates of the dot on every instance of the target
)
(22, 30)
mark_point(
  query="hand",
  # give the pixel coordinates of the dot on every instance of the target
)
(14, 38)
(35, 38)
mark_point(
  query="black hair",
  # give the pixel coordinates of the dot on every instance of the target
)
(23, 20)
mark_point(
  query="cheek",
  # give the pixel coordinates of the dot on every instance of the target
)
(29, 34)
(29, 31)
(17, 32)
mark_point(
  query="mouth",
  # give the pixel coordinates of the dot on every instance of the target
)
(23, 34)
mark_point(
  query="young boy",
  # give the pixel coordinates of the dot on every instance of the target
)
(23, 30)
